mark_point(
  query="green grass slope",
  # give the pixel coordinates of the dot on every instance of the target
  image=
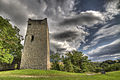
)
(30, 74)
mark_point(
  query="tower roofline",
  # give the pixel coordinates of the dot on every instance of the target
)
(29, 19)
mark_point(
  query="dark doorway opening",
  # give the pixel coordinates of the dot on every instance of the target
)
(32, 38)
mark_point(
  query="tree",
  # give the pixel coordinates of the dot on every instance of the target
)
(118, 60)
(77, 60)
(71, 62)
(68, 66)
(55, 59)
(10, 43)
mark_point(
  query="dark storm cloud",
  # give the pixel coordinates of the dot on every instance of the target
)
(54, 5)
(69, 13)
(14, 10)
(85, 18)
(56, 48)
(33, 6)
(67, 35)
(18, 11)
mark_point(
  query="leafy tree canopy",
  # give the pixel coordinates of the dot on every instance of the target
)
(10, 46)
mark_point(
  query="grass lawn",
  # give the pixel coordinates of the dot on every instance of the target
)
(30, 74)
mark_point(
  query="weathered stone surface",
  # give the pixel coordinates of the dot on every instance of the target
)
(36, 54)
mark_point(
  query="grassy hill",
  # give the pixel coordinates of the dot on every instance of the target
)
(30, 74)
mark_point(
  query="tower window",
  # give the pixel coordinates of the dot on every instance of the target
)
(32, 38)
(29, 23)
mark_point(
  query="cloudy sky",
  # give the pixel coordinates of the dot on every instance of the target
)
(90, 26)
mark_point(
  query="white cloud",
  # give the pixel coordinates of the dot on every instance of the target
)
(111, 9)
(103, 47)
(105, 32)
(106, 57)
(57, 10)
(71, 41)
(94, 13)
(86, 47)
(102, 33)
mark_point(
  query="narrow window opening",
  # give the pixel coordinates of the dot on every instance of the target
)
(32, 39)
(29, 23)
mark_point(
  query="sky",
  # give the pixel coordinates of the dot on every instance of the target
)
(90, 26)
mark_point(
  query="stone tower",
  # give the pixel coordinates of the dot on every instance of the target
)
(36, 53)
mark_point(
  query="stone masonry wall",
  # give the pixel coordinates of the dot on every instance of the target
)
(36, 48)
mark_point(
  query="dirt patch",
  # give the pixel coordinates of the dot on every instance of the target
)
(90, 73)
(27, 76)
